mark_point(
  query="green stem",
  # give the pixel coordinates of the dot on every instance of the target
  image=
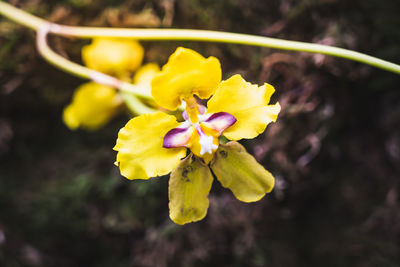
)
(226, 37)
(135, 105)
(128, 91)
(35, 23)
(21, 17)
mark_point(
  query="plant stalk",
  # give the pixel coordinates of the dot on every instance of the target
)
(36, 23)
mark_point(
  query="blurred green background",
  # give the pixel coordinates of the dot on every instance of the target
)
(335, 149)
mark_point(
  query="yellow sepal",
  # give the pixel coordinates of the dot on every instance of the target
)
(189, 186)
(185, 74)
(140, 147)
(241, 173)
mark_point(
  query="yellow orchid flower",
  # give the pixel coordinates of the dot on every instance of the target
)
(113, 56)
(93, 104)
(154, 144)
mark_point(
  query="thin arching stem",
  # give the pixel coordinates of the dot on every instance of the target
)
(81, 71)
(36, 23)
(129, 91)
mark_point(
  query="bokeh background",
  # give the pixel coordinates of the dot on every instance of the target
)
(335, 149)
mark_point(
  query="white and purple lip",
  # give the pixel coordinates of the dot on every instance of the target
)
(180, 136)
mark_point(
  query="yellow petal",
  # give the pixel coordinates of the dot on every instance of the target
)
(186, 73)
(241, 173)
(140, 147)
(112, 55)
(189, 186)
(248, 103)
(92, 106)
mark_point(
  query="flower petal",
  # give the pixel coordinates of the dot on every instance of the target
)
(139, 145)
(219, 121)
(92, 106)
(189, 186)
(248, 103)
(241, 173)
(178, 137)
(113, 55)
(186, 73)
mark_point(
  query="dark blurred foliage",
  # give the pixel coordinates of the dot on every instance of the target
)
(335, 149)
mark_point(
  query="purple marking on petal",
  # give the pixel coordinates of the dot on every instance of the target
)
(177, 137)
(220, 121)
(199, 130)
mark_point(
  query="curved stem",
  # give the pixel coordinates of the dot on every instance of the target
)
(225, 37)
(21, 17)
(128, 91)
(81, 71)
(35, 23)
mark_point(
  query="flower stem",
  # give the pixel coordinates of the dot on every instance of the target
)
(35, 23)
(135, 105)
(128, 91)
(81, 71)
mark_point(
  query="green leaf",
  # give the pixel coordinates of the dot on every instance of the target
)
(241, 173)
(189, 186)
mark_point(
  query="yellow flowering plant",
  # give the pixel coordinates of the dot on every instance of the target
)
(94, 104)
(156, 144)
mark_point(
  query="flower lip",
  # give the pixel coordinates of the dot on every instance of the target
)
(208, 128)
(205, 141)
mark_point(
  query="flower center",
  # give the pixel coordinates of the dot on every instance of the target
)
(200, 130)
